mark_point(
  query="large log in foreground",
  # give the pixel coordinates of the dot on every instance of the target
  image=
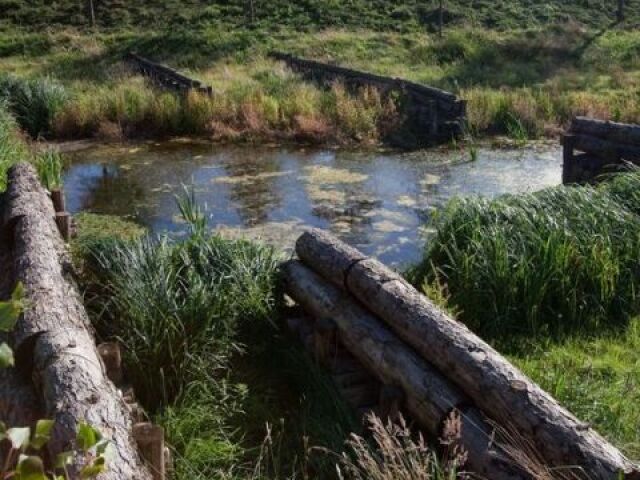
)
(430, 397)
(494, 385)
(53, 341)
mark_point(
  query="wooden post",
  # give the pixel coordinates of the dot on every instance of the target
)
(568, 164)
(391, 399)
(150, 439)
(57, 198)
(112, 359)
(63, 220)
(433, 119)
(324, 340)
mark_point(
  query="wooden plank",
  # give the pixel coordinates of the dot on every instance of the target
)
(613, 131)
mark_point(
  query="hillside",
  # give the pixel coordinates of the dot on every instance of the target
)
(402, 15)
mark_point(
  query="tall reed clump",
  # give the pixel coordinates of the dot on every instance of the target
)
(12, 148)
(49, 165)
(34, 102)
(176, 306)
(560, 260)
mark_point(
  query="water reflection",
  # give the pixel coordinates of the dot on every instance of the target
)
(377, 202)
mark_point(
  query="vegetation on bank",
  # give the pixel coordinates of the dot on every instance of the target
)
(522, 83)
(551, 278)
(402, 15)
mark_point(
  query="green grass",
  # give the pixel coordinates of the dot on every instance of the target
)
(12, 148)
(311, 14)
(524, 83)
(550, 278)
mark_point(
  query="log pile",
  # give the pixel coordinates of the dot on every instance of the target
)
(167, 77)
(59, 368)
(606, 147)
(431, 115)
(406, 342)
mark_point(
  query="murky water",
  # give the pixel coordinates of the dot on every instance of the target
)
(377, 202)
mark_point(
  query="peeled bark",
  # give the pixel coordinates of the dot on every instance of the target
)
(494, 385)
(430, 397)
(53, 339)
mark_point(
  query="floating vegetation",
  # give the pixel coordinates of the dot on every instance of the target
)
(322, 174)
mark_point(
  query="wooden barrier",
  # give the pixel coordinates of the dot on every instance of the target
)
(167, 77)
(431, 115)
(405, 340)
(607, 147)
(53, 340)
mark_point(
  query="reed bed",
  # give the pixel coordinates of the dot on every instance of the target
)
(556, 261)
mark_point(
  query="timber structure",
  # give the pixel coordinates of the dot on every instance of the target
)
(167, 77)
(430, 115)
(605, 147)
(391, 349)
(61, 374)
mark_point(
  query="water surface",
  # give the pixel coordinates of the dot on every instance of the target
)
(378, 202)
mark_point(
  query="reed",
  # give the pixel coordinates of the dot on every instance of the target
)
(556, 261)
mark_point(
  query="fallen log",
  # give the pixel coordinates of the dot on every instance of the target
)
(430, 398)
(498, 388)
(616, 132)
(609, 150)
(53, 340)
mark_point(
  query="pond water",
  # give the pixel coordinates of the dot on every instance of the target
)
(378, 202)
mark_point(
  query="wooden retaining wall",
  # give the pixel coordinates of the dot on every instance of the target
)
(431, 115)
(605, 147)
(390, 349)
(167, 77)
(61, 374)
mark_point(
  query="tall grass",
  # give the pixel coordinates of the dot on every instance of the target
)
(49, 165)
(557, 261)
(34, 102)
(177, 306)
(12, 148)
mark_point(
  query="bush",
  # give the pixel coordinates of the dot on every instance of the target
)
(559, 260)
(34, 103)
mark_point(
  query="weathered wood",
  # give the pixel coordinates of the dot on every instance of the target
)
(325, 342)
(53, 340)
(168, 77)
(430, 397)
(112, 359)
(490, 381)
(150, 440)
(63, 220)
(57, 197)
(568, 162)
(390, 402)
(615, 132)
(610, 150)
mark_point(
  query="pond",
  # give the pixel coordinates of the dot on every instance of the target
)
(378, 202)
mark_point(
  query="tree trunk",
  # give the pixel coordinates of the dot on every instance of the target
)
(53, 341)
(498, 388)
(620, 12)
(92, 14)
(430, 397)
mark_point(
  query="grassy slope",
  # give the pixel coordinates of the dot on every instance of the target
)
(401, 15)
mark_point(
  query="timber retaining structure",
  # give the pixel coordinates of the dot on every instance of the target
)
(430, 115)
(390, 349)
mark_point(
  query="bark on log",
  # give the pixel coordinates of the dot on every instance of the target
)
(430, 397)
(615, 132)
(498, 388)
(53, 340)
(19, 405)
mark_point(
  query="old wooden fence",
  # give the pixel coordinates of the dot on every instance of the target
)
(606, 147)
(167, 77)
(389, 349)
(430, 115)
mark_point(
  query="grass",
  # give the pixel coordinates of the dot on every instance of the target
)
(404, 15)
(524, 83)
(12, 148)
(551, 279)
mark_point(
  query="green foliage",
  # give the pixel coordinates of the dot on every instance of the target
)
(9, 313)
(559, 260)
(49, 166)
(376, 14)
(12, 149)
(176, 306)
(33, 102)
